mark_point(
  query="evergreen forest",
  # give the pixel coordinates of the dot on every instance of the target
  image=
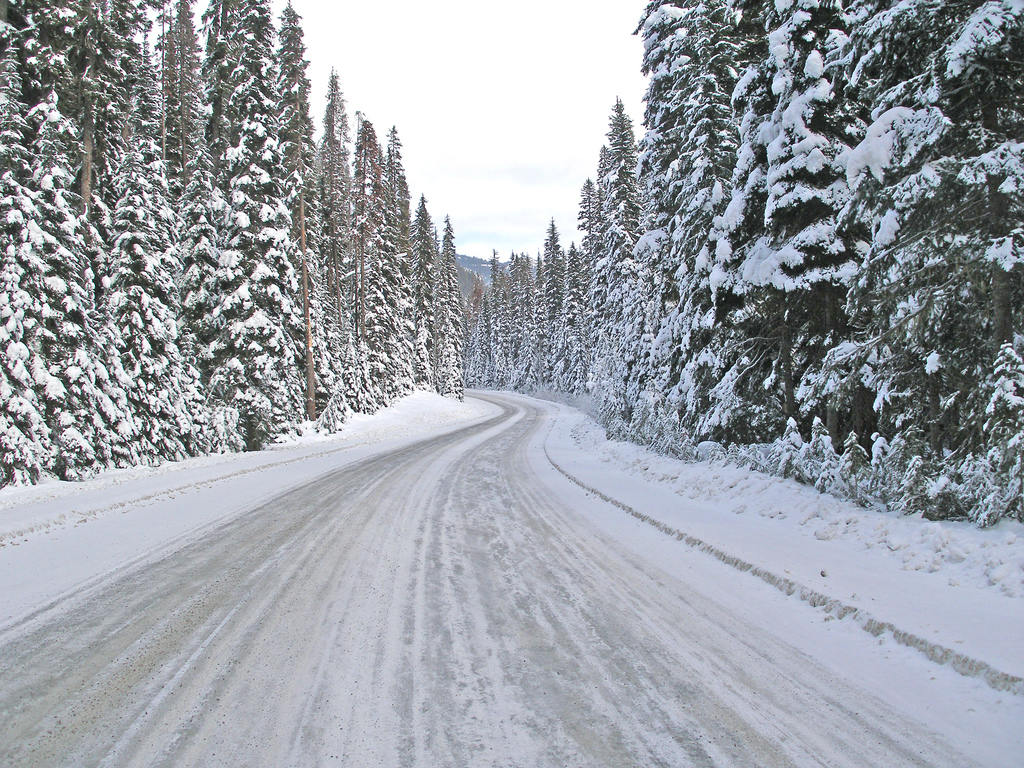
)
(811, 263)
(186, 269)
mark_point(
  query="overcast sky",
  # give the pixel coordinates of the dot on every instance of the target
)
(501, 107)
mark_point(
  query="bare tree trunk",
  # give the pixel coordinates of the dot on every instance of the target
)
(310, 372)
(163, 82)
(217, 102)
(88, 148)
(184, 96)
(934, 416)
(786, 363)
(88, 123)
(361, 291)
(832, 332)
(1002, 311)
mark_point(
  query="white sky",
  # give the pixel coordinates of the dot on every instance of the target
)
(501, 108)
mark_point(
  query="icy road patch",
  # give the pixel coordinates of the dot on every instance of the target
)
(57, 535)
(441, 594)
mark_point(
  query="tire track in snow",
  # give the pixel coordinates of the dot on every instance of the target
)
(940, 654)
(437, 605)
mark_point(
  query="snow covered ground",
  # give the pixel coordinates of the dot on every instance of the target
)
(937, 601)
(495, 583)
(57, 535)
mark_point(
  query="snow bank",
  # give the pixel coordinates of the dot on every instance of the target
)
(951, 590)
(967, 555)
(25, 510)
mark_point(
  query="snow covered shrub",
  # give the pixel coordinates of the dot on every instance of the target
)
(335, 414)
(855, 469)
(982, 495)
(820, 464)
(880, 450)
(224, 433)
(655, 423)
(1005, 429)
(760, 458)
(789, 451)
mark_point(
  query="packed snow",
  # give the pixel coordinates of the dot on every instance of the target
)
(430, 539)
(941, 603)
(56, 535)
(953, 583)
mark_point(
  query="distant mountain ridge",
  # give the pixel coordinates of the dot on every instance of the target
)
(470, 266)
(481, 267)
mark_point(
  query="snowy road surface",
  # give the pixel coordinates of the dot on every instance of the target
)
(438, 604)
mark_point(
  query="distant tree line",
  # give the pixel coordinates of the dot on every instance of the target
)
(185, 269)
(812, 261)
(529, 328)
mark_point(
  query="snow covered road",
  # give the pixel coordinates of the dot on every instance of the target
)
(437, 604)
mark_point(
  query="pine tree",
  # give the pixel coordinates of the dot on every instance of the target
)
(526, 311)
(254, 356)
(25, 446)
(178, 47)
(1005, 427)
(554, 331)
(84, 408)
(202, 212)
(39, 32)
(577, 327)
(396, 268)
(142, 304)
(493, 328)
(478, 333)
(448, 318)
(299, 155)
(686, 159)
(937, 182)
(367, 218)
(333, 194)
(503, 341)
(424, 258)
(618, 282)
(589, 223)
(398, 215)
(782, 258)
(330, 238)
(379, 329)
(106, 61)
(220, 24)
(589, 219)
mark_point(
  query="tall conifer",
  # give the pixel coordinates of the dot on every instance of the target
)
(254, 355)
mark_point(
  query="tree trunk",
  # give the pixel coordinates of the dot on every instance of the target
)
(217, 101)
(4, 6)
(184, 78)
(934, 417)
(786, 363)
(88, 140)
(310, 371)
(831, 334)
(1002, 307)
(163, 81)
(863, 417)
(1002, 311)
(361, 292)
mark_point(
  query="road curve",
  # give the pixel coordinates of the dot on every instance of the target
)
(433, 606)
